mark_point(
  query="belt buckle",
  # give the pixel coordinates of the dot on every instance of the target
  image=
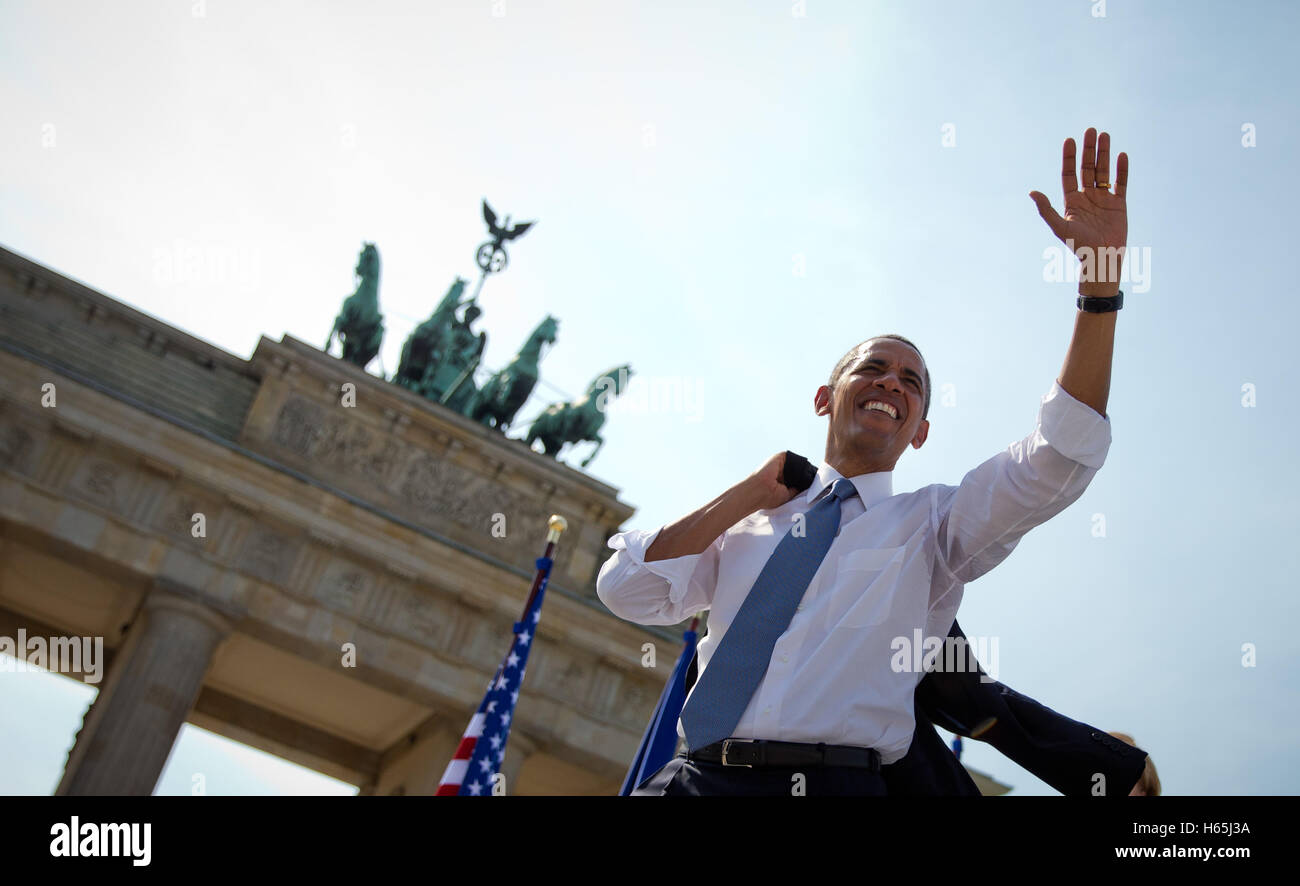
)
(726, 744)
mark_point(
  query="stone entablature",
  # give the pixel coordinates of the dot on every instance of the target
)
(426, 464)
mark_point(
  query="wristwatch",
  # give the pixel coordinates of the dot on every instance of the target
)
(1095, 304)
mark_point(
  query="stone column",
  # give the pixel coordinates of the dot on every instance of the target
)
(129, 730)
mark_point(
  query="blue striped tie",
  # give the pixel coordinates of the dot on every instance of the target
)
(741, 659)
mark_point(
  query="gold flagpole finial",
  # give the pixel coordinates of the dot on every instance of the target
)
(557, 525)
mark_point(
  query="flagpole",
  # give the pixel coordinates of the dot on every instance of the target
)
(556, 525)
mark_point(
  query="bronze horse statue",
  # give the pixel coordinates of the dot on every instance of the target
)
(496, 403)
(359, 325)
(579, 421)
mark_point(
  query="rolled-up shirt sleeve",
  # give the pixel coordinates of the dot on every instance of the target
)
(661, 592)
(983, 519)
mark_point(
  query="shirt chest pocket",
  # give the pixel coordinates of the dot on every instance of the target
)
(864, 587)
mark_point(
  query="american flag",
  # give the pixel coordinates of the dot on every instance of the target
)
(483, 746)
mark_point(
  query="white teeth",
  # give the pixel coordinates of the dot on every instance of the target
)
(883, 407)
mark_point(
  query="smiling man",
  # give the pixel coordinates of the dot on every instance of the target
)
(797, 689)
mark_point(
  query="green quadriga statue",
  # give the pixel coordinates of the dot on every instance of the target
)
(359, 325)
(579, 420)
(496, 404)
(422, 349)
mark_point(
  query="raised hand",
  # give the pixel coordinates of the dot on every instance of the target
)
(1095, 219)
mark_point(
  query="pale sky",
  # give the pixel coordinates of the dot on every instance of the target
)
(729, 196)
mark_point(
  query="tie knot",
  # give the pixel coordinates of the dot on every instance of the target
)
(843, 488)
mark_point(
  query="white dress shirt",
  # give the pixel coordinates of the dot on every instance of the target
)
(898, 563)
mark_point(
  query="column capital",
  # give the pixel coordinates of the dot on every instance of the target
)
(168, 595)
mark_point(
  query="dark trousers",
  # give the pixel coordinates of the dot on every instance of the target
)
(680, 777)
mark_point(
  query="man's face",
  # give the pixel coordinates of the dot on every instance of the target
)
(862, 436)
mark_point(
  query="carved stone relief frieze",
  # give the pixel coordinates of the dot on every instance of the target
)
(431, 489)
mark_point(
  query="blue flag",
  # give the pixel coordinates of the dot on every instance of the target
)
(660, 740)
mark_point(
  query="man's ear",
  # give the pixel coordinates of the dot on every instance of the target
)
(822, 401)
(922, 431)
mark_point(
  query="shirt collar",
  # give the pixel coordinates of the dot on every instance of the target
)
(873, 487)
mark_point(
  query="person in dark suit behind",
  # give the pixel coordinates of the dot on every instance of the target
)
(1149, 784)
(1072, 757)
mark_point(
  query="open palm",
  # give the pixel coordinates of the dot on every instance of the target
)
(1095, 218)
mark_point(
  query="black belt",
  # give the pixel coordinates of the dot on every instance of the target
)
(760, 752)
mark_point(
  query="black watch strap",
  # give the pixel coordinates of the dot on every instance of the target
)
(1094, 304)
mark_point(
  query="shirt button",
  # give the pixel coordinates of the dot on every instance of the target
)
(785, 657)
(767, 710)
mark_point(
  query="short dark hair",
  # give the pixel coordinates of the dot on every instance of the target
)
(847, 360)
